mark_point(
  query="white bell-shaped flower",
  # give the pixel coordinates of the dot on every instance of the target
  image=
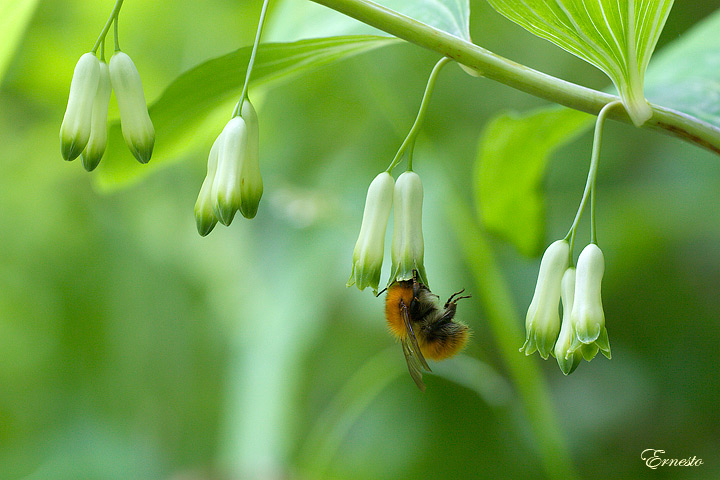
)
(205, 218)
(588, 317)
(137, 128)
(567, 362)
(77, 122)
(542, 322)
(251, 187)
(408, 247)
(369, 248)
(227, 186)
(95, 148)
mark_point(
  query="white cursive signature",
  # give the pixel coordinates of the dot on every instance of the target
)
(654, 460)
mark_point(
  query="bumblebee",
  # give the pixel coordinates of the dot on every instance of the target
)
(424, 328)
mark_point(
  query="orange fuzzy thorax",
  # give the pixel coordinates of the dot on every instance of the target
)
(393, 313)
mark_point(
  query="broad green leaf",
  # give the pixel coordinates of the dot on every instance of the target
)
(685, 76)
(14, 18)
(617, 36)
(293, 20)
(188, 108)
(513, 153)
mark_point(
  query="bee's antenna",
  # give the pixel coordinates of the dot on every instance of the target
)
(381, 292)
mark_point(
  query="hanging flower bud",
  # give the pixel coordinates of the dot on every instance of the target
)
(137, 128)
(251, 188)
(587, 315)
(98, 132)
(205, 219)
(227, 185)
(76, 125)
(542, 322)
(408, 247)
(369, 249)
(568, 362)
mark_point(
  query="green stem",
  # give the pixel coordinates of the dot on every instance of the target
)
(113, 15)
(409, 144)
(592, 174)
(518, 76)
(593, 230)
(244, 94)
(115, 31)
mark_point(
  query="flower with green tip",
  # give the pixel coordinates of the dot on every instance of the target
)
(369, 248)
(251, 184)
(568, 362)
(587, 316)
(542, 322)
(408, 247)
(137, 128)
(77, 122)
(226, 189)
(95, 148)
(205, 218)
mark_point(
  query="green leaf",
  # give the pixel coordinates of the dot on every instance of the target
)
(513, 153)
(14, 18)
(188, 109)
(685, 76)
(617, 36)
(293, 20)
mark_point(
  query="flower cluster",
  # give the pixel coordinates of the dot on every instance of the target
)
(582, 333)
(233, 180)
(405, 197)
(84, 128)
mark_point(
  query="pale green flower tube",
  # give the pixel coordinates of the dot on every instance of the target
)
(227, 186)
(567, 362)
(542, 322)
(77, 122)
(95, 148)
(587, 315)
(251, 188)
(369, 248)
(137, 128)
(408, 247)
(205, 218)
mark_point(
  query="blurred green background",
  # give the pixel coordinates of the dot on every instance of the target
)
(132, 348)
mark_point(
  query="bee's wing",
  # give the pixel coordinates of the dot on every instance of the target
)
(411, 342)
(413, 356)
(413, 364)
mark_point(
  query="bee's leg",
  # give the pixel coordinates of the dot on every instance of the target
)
(454, 295)
(416, 285)
(450, 300)
(447, 316)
